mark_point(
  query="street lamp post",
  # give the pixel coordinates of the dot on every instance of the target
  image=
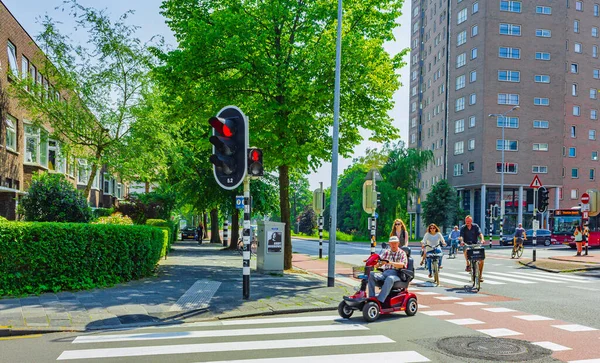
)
(503, 115)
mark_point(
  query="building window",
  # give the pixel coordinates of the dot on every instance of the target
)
(474, 30)
(577, 48)
(462, 16)
(543, 33)
(593, 114)
(509, 122)
(546, 10)
(539, 169)
(573, 131)
(510, 29)
(540, 147)
(472, 121)
(472, 99)
(596, 9)
(509, 168)
(509, 76)
(508, 99)
(540, 124)
(458, 169)
(472, 76)
(593, 93)
(579, 5)
(460, 104)
(509, 145)
(595, 155)
(594, 51)
(542, 56)
(574, 68)
(475, 8)
(576, 111)
(474, 53)
(572, 152)
(471, 166)
(460, 82)
(24, 68)
(471, 144)
(592, 134)
(461, 38)
(574, 194)
(542, 78)
(459, 147)
(592, 174)
(507, 52)
(459, 126)
(595, 32)
(541, 101)
(597, 73)
(12, 59)
(511, 6)
(575, 26)
(461, 60)
(56, 161)
(574, 89)
(575, 173)
(11, 133)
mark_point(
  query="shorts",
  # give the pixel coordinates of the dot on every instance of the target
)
(519, 241)
(472, 245)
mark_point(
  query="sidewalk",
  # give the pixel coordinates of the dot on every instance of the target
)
(195, 283)
(567, 263)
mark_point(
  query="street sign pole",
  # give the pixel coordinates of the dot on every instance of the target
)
(585, 207)
(535, 222)
(374, 217)
(246, 238)
(225, 233)
(321, 222)
(492, 226)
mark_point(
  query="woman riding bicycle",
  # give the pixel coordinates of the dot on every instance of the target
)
(518, 238)
(431, 242)
(454, 235)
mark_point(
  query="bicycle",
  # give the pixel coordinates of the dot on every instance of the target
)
(475, 254)
(434, 261)
(453, 248)
(518, 251)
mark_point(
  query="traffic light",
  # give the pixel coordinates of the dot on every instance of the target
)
(593, 201)
(495, 211)
(255, 162)
(368, 193)
(230, 143)
(543, 199)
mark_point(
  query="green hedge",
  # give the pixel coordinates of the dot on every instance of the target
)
(168, 226)
(38, 257)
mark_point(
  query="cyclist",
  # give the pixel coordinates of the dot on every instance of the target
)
(454, 235)
(431, 241)
(470, 234)
(518, 238)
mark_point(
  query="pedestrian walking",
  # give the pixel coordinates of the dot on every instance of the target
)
(399, 231)
(200, 233)
(578, 239)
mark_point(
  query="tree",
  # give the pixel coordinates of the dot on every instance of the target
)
(52, 198)
(308, 221)
(91, 92)
(275, 59)
(441, 205)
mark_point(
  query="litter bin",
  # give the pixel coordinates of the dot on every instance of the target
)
(269, 255)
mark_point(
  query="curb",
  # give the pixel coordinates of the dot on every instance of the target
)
(528, 264)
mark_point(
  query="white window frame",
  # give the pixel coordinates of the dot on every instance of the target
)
(542, 78)
(458, 169)
(461, 17)
(509, 143)
(459, 104)
(472, 121)
(509, 122)
(461, 60)
(511, 6)
(592, 134)
(461, 38)
(510, 29)
(471, 144)
(543, 33)
(509, 168)
(473, 76)
(509, 76)
(83, 172)
(11, 133)
(13, 66)
(541, 124)
(459, 147)
(577, 48)
(460, 82)
(474, 30)
(541, 101)
(539, 169)
(509, 52)
(459, 126)
(574, 150)
(544, 10)
(540, 146)
(576, 110)
(574, 173)
(508, 99)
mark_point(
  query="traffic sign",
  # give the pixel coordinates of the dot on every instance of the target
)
(535, 183)
(239, 202)
(585, 198)
(586, 215)
(376, 215)
(585, 207)
(536, 225)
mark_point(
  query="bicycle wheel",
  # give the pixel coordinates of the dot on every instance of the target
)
(476, 276)
(520, 251)
(436, 272)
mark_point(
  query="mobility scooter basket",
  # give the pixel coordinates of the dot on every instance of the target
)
(477, 254)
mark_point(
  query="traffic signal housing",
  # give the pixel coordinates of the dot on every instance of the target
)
(543, 199)
(255, 162)
(378, 196)
(230, 143)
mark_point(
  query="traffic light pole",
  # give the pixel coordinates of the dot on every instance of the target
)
(373, 225)
(321, 227)
(246, 239)
(492, 225)
(535, 199)
(225, 233)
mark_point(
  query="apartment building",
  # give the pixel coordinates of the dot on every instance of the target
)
(26, 149)
(471, 63)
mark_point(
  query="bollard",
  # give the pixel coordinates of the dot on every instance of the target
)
(321, 236)
(225, 233)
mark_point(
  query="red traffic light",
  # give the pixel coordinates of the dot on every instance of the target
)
(255, 155)
(221, 126)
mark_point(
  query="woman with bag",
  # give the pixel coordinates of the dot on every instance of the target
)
(578, 239)
(399, 231)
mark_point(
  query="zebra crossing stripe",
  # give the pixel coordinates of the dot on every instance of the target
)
(467, 277)
(487, 281)
(298, 319)
(571, 278)
(444, 279)
(534, 278)
(222, 347)
(217, 333)
(396, 357)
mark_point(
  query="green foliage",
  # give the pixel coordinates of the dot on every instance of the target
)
(102, 212)
(157, 223)
(51, 198)
(167, 229)
(115, 218)
(2, 219)
(308, 221)
(51, 257)
(441, 205)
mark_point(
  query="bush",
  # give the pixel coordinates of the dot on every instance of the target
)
(42, 257)
(51, 198)
(115, 218)
(102, 212)
(163, 225)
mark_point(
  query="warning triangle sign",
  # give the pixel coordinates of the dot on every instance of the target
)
(535, 183)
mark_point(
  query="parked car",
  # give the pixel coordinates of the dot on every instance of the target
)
(543, 238)
(188, 232)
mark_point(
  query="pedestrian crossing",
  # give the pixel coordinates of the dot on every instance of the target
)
(509, 276)
(269, 340)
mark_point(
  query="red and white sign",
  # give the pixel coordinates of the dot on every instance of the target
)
(535, 183)
(586, 215)
(585, 198)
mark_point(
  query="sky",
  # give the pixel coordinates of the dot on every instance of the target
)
(147, 16)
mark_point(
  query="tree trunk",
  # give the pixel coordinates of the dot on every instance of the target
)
(215, 237)
(88, 187)
(284, 205)
(147, 187)
(234, 233)
(205, 222)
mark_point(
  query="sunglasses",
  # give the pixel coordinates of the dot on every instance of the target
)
(398, 224)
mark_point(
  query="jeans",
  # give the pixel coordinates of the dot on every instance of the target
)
(389, 277)
(436, 251)
(454, 247)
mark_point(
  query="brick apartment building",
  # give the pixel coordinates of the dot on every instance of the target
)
(473, 59)
(26, 149)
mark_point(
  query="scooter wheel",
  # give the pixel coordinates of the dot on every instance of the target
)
(411, 306)
(344, 310)
(371, 311)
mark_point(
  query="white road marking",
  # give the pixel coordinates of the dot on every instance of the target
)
(583, 288)
(421, 306)
(467, 276)
(574, 327)
(471, 303)
(299, 319)
(553, 346)
(222, 347)
(217, 333)
(465, 321)
(486, 276)
(526, 276)
(533, 317)
(400, 357)
(197, 296)
(499, 332)
(437, 313)
(570, 278)
(447, 298)
(498, 310)
(427, 293)
(443, 278)
(595, 360)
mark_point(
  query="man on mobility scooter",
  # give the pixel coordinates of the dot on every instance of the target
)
(397, 272)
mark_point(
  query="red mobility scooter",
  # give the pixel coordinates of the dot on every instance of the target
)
(399, 299)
